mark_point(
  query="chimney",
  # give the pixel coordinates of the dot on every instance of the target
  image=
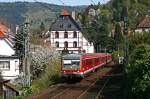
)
(74, 15)
(17, 28)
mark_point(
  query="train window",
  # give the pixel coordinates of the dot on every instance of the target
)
(71, 63)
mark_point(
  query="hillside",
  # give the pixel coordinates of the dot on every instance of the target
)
(15, 13)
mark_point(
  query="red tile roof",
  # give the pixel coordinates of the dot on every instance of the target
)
(145, 23)
(1, 34)
(3, 30)
(64, 12)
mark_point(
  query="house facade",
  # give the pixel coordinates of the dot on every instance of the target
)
(9, 64)
(66, 33)
(144, 25)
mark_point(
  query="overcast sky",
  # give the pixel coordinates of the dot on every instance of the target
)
(66, 2)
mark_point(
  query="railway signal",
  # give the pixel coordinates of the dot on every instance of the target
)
(125, 20)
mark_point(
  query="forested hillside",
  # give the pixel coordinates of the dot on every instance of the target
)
(137, 9)
(15, 13)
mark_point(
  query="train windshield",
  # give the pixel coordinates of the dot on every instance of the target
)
(72, 64)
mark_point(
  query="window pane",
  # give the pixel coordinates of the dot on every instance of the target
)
(4, 65)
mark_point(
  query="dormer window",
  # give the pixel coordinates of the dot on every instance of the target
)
(57, 35)
(69, 25)
(66, 34)
(61, 26)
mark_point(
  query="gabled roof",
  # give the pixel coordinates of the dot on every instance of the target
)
(4, 34)
(145, 23)
(65, 22)
(3, 30)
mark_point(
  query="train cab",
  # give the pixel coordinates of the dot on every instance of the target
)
(71, 65)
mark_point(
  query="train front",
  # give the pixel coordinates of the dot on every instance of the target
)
(71, 65)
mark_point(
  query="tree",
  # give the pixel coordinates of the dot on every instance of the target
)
(42, 26)
(40, 57)
(136, 39)
(118, 37)
(138, 73)
(19, 43)
(96, 29)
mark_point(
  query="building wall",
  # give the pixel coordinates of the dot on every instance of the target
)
(5, 49)
(140, 30)
(13, 71)
(82, 43)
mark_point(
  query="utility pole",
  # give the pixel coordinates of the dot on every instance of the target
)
(26, 66)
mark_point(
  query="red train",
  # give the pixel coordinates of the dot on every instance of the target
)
(78, 65)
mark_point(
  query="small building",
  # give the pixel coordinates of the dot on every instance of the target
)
(9, 63)
(66, 33)
(144, 25)
(92, 10)
(7, 90)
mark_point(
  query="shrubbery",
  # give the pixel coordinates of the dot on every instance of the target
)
(138, 74)
(49, 76)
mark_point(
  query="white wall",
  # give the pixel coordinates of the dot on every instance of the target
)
(5, 48)
(140, 30)
(13, 72)
(81, 41)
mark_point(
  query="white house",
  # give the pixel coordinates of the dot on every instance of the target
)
(9, 64)
(66, 33)
(144, 25)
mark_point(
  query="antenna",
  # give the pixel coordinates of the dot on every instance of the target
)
(62, 2)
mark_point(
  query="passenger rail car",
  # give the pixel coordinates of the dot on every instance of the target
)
(78, 65)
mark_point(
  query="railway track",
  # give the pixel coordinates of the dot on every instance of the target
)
(91, 87)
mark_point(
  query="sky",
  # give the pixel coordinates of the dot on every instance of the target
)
(66, 2)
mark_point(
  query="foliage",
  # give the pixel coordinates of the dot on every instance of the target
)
(96, 28)
(135, 39)
(137, 9)
(138, 73)
(40, 56)
(50, 76)
(65, 51)
(19, 43)
(35, 11)
(17, 97)
(118, 37)
(116, 55)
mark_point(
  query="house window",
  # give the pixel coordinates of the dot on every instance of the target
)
(57, 44)
(61, 25)
(5, 65)
(66, 44)
(66, 35)
(74, 44)
(74, 34)
(16, 65)
(69, 25)
(57, 35)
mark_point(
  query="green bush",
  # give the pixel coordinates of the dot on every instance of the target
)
(116, 55)
(138, 74)
(49, 77)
